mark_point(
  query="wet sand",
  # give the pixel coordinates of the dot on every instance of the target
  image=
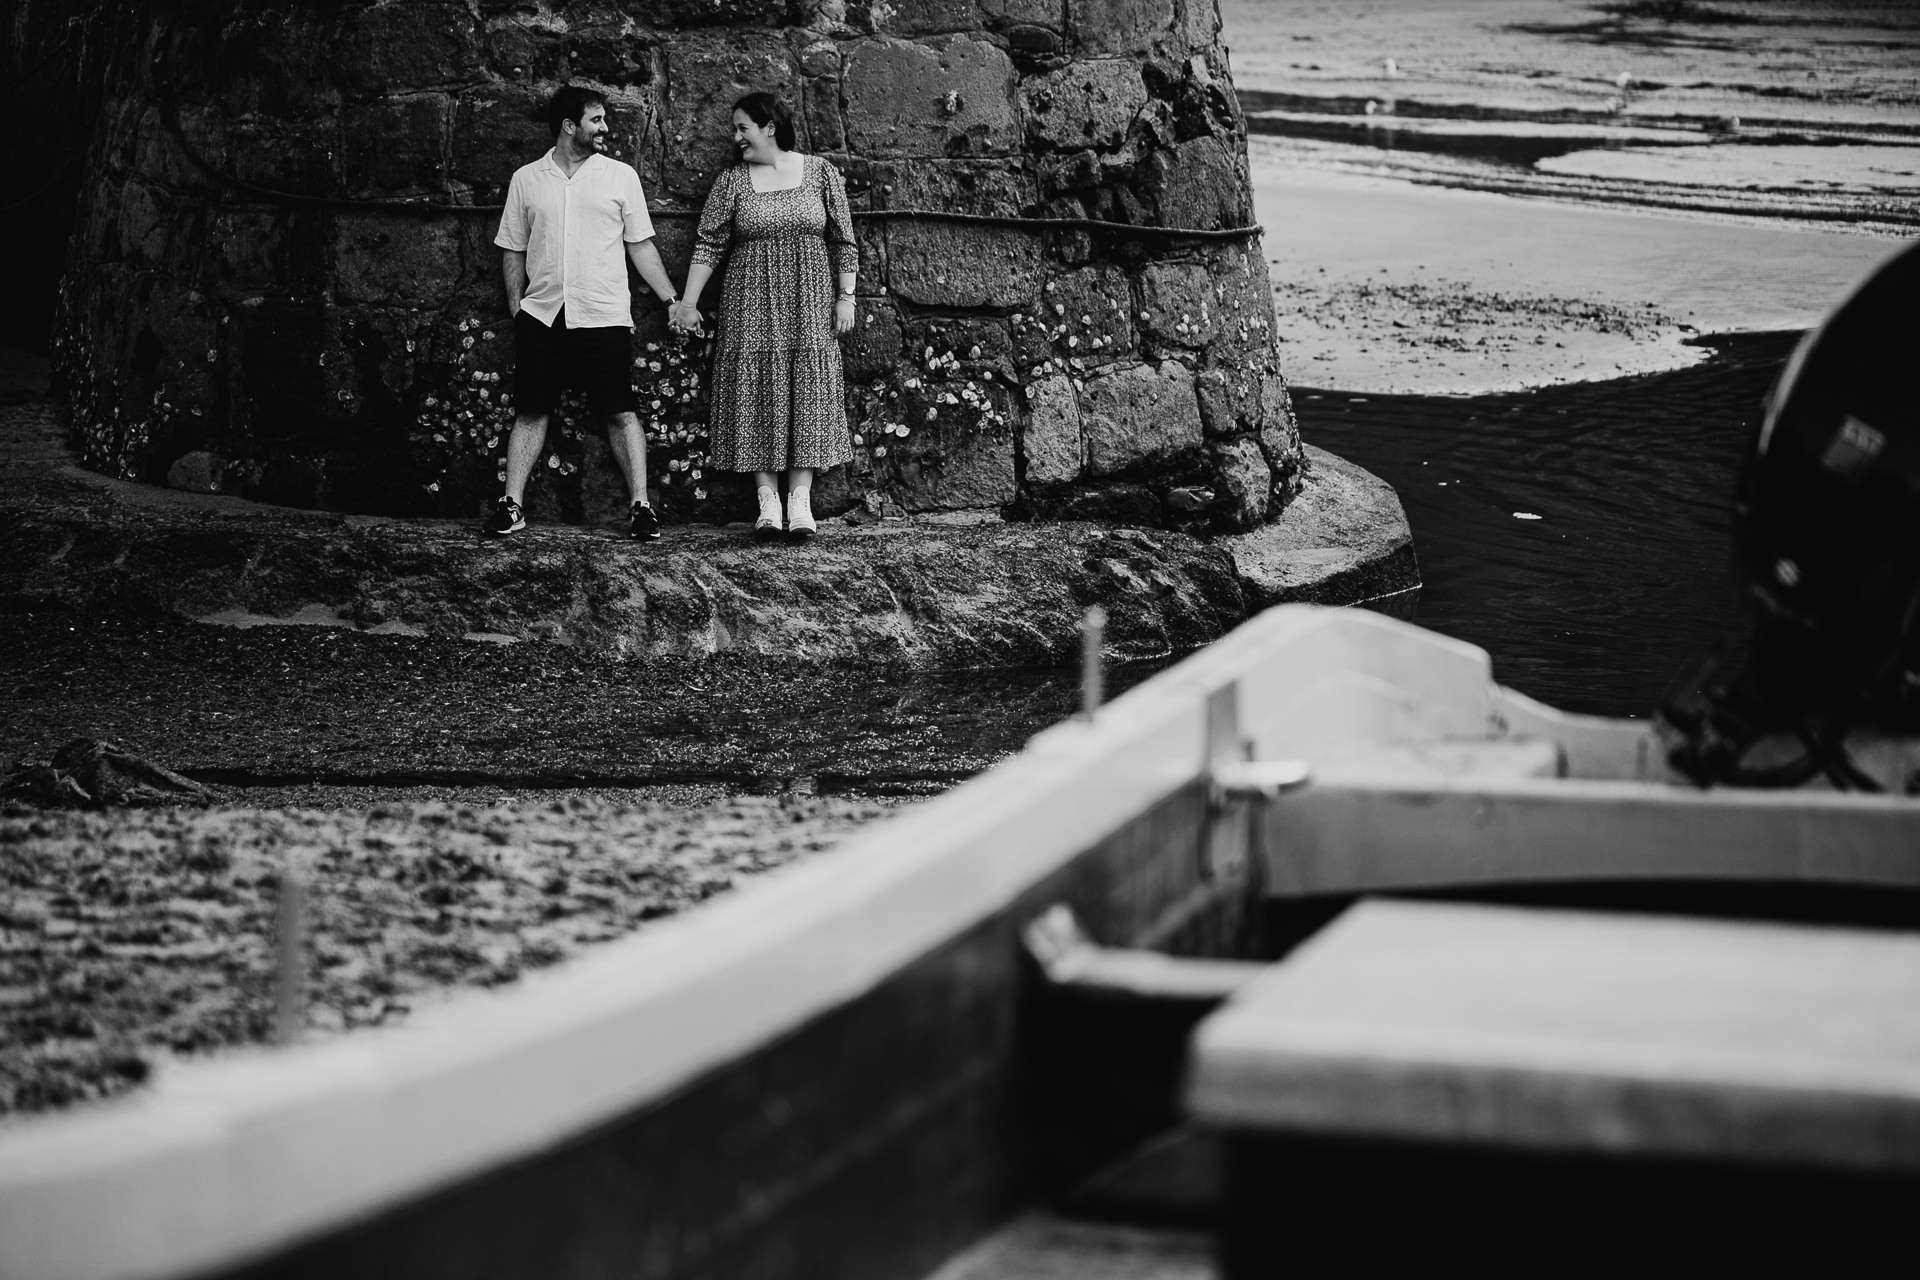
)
(1465, 196)
(132, 940)
(1469, 196)
(1388, 286)
(462, 813)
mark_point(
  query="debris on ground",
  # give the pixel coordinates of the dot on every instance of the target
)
(89, 773)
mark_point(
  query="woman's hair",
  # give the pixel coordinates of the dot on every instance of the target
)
(764, 109)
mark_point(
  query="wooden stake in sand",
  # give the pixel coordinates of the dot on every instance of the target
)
(290, 980)
(1092, 628)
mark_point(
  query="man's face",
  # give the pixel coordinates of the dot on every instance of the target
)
(590, 132)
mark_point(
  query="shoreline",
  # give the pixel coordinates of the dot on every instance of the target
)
(1466, 197)
(1387, 286)
(1842, 65)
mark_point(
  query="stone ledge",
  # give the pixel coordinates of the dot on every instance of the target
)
(1343, 540)
(924, 592)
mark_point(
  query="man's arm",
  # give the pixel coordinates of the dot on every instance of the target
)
(646, 260)
(513, 265)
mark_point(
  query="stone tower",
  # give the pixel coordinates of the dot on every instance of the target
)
(282, 282)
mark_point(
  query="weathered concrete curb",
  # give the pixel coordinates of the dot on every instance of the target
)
(1343, 540)
(957, 591)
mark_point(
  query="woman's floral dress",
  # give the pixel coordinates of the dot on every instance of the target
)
(779, 399)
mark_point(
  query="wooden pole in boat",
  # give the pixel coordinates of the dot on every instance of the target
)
(290, 979)
(1092, 627)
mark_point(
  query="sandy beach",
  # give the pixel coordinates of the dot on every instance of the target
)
(1384, 285)
(1466, 197)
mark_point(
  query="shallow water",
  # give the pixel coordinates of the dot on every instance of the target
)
(1623, 583)
(1803, 113)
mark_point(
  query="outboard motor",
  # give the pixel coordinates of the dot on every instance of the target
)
(1826, 542)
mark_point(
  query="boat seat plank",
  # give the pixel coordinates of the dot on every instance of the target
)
(1579, 1032)
(1346, 833)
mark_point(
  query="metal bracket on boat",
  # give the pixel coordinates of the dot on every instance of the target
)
(1257, 779)
(1232, 775)
(1234, 781)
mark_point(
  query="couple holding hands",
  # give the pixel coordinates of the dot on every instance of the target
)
(780, 221)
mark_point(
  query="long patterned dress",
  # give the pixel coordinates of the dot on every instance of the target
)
(779, 398)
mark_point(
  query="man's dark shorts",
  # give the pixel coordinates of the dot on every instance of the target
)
(549, 360)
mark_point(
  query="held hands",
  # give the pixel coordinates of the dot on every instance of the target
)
(683, 317)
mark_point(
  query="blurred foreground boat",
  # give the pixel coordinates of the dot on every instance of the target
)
(863, 1065)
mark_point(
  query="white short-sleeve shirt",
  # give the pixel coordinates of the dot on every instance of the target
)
(574, 232)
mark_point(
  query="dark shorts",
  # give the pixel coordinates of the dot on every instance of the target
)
(547, 361)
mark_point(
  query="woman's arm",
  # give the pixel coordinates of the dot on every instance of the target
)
(711, 241)
(697, 276)
(843, 251)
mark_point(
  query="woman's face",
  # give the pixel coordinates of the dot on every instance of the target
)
(753, 142)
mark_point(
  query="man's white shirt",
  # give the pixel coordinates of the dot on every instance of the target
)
(574, 232)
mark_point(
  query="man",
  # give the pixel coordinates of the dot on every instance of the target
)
(567, 218)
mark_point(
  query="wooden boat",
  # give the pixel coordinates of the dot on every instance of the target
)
(862, 1065)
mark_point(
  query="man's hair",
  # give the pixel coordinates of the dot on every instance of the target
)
(570, 102)
(765, 109)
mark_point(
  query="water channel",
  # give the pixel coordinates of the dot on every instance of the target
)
(1578, 533)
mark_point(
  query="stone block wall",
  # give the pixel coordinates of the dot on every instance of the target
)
(247, 309)
(50, 63)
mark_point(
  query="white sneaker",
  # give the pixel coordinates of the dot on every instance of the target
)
(800, 525)
(767, 526)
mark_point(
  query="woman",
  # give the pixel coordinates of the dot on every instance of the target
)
(778, 398)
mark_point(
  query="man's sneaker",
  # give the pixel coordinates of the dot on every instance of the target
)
(506, 518)
(645, 525)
